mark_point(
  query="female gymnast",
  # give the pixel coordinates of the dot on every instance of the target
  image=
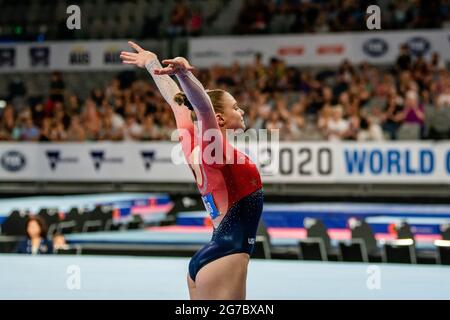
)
(229, 183)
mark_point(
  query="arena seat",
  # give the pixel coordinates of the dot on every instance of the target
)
(443, 250)
(404, 231)
(445, 231)
(353, 250)
(313, 249)
(400, 251)
(361, 231)
(76, 215)
(135, 223)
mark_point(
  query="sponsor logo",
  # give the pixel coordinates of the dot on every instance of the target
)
(245, 53)
(291, 51)
(7, 57)
(13, 161)
(207, 54)
(54, 157)
(79, 56)
(251, 240)
(419, 45)
(375, 47)
(149, 157)
(98, 157)
(39, 56)
(330, 49)
(111, 56)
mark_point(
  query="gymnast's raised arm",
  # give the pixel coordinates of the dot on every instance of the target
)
(211, 135)
(166, 85)
(194, 90)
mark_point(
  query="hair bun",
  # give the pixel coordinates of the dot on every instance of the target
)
(181, 99)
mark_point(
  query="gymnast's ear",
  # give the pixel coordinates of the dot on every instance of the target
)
(220, 119)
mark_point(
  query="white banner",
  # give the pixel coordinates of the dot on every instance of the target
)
(287, 162)
(376, 47)
(140, 162)
(347, 162)
(69, 56)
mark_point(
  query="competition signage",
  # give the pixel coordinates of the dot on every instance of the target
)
(381, 47)
(69, 55)
(286, 162)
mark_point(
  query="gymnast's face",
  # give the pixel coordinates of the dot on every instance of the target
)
(232, 115)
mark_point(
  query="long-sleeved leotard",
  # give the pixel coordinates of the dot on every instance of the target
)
(230, 186)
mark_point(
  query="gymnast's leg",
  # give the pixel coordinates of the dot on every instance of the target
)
(192, 288)
(223, 279)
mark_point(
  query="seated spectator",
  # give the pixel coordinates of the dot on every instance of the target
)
(393, 116)
(116, 119)
(437, 118)
(90, 120)
(57, 87)
(57, 131)
(195, 23)
(59, 242)
(25, 130)
(443, 99)
(45, 129)
(132, 129)
(370, 130)
(7, 123)
(108, 131)
(353, 117)
(324, 116)
(297, 120)
(150, 130)
(36, 241)
(178, 18)
(75, 132)
(73, 106)
(413, 112)
(404, 59)
(337, 126)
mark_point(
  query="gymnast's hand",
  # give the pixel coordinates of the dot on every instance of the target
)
(176, 65)
(140, 59)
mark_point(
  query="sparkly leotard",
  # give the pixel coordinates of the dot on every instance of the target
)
(230, 185)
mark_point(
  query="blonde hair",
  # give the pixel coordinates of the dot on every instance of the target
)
(216, 96)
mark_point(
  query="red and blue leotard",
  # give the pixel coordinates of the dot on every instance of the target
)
(230, 186)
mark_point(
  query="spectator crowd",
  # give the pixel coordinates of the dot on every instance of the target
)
(316, 16)
(410, 100)
(44, 20)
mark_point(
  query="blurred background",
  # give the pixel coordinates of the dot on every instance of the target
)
(363, 171)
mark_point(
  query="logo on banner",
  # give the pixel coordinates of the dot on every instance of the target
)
(245, 53)
(112, 56)
(54, 157)
(7, 57)
(13, 161)
(79, 56)
(418, 45)
(207, 54)
(330, 49)
(375, 47)
(40, 56)
(149, 157)
(291, 51)
(99, 158)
